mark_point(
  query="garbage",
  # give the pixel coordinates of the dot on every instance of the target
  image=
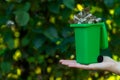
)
(10, 23)
(85, 17)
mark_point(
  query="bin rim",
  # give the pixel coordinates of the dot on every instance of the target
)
(86, 25)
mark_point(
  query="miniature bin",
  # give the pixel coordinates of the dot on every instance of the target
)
(89, 40)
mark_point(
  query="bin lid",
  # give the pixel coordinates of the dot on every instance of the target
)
(84, 25)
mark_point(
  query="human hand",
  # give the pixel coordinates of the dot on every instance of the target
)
(108, 64)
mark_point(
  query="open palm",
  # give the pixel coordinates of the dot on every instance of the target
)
(108, 64)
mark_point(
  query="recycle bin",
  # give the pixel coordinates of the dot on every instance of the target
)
(89, 40)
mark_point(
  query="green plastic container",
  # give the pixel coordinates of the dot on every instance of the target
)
(89, 39)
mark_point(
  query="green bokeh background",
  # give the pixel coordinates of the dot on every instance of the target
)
(32, 47)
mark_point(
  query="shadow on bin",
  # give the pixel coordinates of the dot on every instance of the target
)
(89, 40)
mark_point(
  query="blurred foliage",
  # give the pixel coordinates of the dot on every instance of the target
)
(35, 35)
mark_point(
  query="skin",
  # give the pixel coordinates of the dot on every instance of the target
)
(108, 64)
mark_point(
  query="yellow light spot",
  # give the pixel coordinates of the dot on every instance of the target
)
(58, 42)
(16, 34)
(114, 30)
(9, 75)
(62, 6)
(3, 26)
(94, 9)
(2, 46)
(109, 26)
(15, 76)
(52, 19)
(57, 56)
(108, 21)
(49, 69)
(17, 55)
(89, 78)
(13, 28)
(115, 57)
(18, 71)
(71, 16)
(51, 78)
(16, 42)
(72, 56)
(111, 78)
(96, 74)
(111, 11)
(38, 70)
(39, 23)
(1, 40)
(118, 77)
(109, 39)
(80, 7)
(58, 78)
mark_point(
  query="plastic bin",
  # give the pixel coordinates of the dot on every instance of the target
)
(89, 39)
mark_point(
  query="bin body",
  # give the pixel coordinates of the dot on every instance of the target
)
(87, 41)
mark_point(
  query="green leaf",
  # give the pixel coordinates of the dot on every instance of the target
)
(65, 13)
(25, 41)
(21, 17)
(19, 1)
(5, 67)
(26, 6)
(10, 43)
(50, 50)
(2, 51)
(54, 7)
(117, 20)
(117, 11)
(50, 0)
(66, 32)
(31, 59)
(38, 42)
(41, 59)
(9, 9)
(109, 3)
(51, 33)
(69, 3)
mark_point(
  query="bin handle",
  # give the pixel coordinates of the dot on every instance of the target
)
(103, 37)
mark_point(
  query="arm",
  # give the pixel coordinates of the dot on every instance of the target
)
(108, 64)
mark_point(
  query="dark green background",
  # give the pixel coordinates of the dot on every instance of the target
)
(42, 37)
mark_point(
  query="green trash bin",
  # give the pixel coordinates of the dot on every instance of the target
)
(89, 39)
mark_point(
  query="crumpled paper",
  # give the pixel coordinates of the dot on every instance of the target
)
(85, 17)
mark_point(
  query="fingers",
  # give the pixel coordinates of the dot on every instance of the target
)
(73, 64)
(79, 66)
(67, 62)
